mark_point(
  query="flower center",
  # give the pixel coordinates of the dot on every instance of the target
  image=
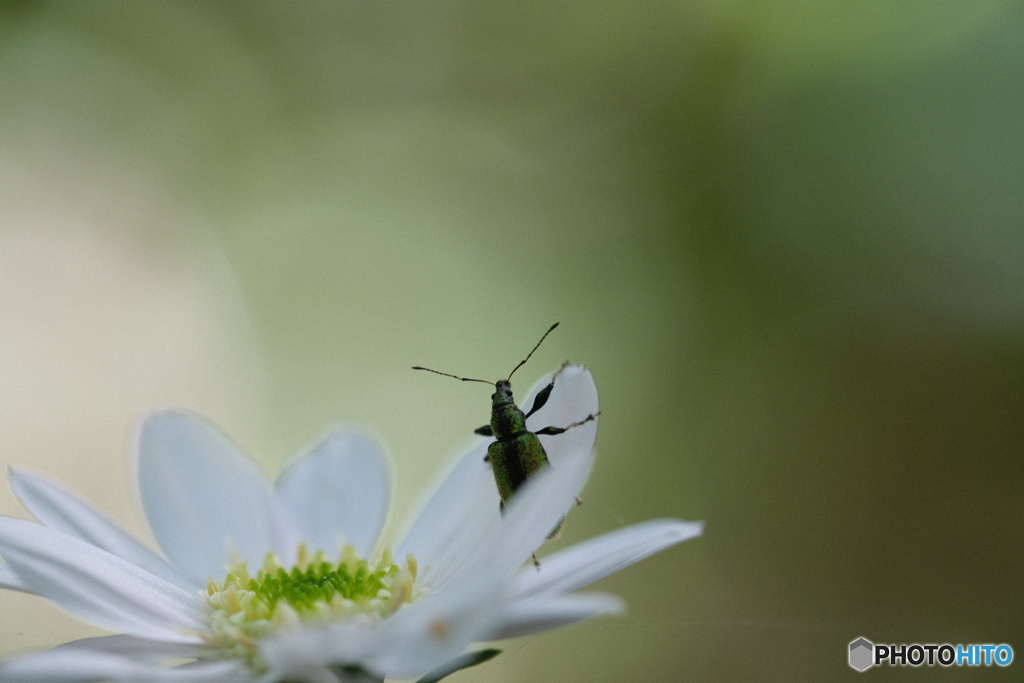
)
(315, 591)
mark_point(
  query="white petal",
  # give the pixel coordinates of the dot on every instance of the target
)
(305, 653)
(138, 649)
(85, 666)
(416, 639)
(10, 580)
(536, 509)
(204, 498)
(584, 563)
(63, 511)
(222, 671)
(506, 542)
(533, 616)
(97, 586)
(458, 513)
(338, 492)
(573, 398)
(435, 629)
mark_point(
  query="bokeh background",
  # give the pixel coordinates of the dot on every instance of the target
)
(786, 236)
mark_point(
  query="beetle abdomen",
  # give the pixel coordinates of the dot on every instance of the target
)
(514, 460)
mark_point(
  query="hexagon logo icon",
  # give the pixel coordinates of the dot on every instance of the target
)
(862, 654)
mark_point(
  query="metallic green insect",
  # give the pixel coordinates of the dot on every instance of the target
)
(516, 454)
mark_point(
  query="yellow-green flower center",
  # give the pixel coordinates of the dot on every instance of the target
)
(246, 608)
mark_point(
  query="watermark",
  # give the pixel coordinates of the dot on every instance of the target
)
(864, 654)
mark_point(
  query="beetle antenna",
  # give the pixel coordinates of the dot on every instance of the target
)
(463, 379)
(523, 361)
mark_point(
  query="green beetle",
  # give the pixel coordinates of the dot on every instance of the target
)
(517, 453)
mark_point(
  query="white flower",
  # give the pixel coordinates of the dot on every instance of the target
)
(270, 585)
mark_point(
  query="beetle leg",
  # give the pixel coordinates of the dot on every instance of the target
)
(551, 431)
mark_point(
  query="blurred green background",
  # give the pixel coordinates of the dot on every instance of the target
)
(785, 235)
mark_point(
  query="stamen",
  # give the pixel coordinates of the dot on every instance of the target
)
(245, 609)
